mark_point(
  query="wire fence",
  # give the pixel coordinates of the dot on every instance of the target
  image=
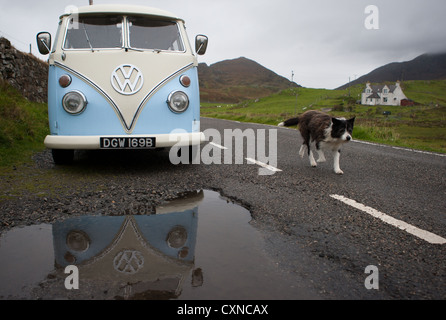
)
(18, 44)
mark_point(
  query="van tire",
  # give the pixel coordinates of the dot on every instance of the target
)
(62, 156)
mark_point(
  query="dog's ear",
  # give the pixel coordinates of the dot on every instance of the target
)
(351, 124)
(351, 121)
(335, 120)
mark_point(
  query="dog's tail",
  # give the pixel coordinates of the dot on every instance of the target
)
(289, 122)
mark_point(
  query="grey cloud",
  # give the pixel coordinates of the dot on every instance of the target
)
(323, 41)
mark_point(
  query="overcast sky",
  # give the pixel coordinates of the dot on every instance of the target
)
(324, 42)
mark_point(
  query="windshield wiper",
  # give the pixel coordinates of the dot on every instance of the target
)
(88, 38)
(133, 49)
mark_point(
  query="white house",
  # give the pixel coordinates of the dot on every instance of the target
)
(386, 95)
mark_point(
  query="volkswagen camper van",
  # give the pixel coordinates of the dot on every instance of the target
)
(121, 77)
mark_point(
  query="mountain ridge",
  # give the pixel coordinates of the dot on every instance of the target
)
(235, 80)
(428, 66)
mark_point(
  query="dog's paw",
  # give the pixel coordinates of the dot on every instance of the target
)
(321, 160)
(339, 171)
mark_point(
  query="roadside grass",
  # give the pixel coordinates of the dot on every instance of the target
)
(422, 126)
(23, 126)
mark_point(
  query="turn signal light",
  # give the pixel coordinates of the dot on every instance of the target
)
(185, 81)
(65, 81)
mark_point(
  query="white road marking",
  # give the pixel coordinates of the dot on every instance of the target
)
(422, 234)
(400, 148)
(218, 146)
(264, 165)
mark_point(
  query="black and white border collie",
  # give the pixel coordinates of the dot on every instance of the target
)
(325, 132)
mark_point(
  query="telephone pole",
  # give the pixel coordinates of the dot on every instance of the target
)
(349, 87)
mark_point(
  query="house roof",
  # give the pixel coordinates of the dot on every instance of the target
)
(392, 88)
(380, 88)
(374, 95)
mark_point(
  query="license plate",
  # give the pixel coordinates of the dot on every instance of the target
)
(128, 143)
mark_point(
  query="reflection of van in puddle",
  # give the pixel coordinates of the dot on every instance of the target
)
(121, 77)
(139, 256)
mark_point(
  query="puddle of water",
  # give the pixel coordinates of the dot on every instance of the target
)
(198, 247)
(25, 258)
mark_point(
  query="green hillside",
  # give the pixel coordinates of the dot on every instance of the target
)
(277, 107)
(422, 126)
(428, 92)
(23, 126)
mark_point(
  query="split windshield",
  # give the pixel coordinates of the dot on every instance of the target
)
(107, 32)
(154, 34)
(94, 33)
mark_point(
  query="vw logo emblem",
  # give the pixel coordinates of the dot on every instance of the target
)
(127, 79)
(128, 261)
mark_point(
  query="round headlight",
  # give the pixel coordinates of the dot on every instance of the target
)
(178, 101)
(177, 237)
(78, 241)
(74, 102)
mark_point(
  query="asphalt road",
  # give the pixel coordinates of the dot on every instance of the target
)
(310, 233)
(332, 243)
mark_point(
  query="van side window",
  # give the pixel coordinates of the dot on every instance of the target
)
(145, 33)
(94, 32)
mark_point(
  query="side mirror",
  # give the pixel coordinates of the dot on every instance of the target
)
(44, 42)
(201, 44)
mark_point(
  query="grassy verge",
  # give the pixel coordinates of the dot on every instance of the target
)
(23, 126)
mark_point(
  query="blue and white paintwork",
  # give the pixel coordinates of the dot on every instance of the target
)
(109, 113)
